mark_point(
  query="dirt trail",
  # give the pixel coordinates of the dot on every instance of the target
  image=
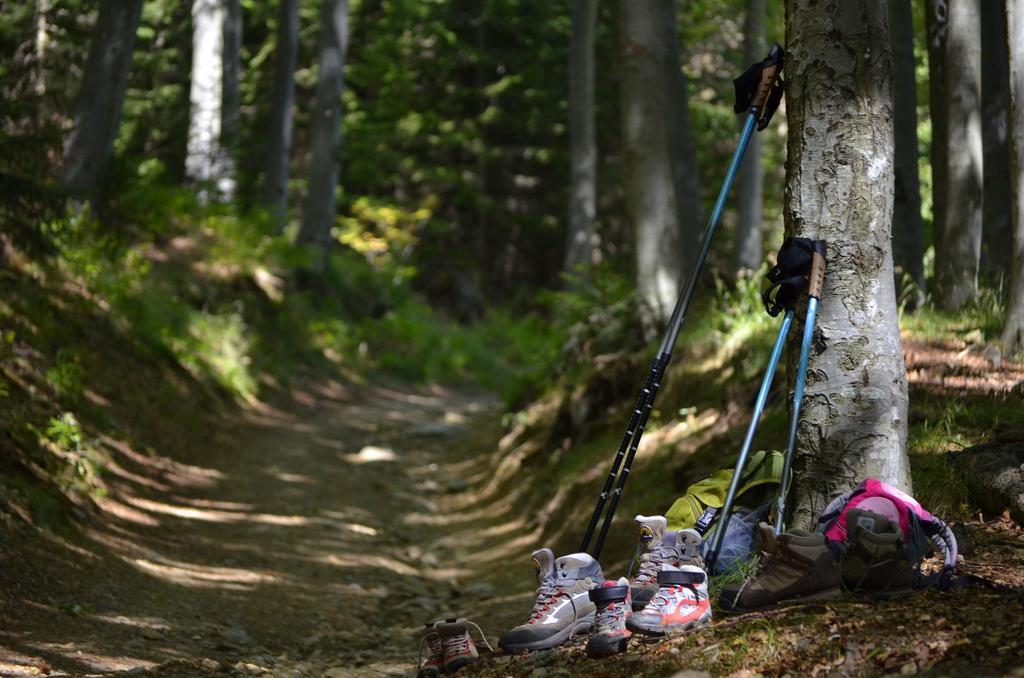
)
(309, 539)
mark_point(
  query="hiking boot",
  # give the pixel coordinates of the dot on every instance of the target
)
(660, 547)
(875, 557)
(613, 610)
(563, 607)
(434, 665)
(457, 646)
(797, 564)
(680, 603)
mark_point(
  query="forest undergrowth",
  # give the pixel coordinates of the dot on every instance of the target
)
(130, 353)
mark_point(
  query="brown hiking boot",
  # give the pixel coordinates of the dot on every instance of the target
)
(796, 565)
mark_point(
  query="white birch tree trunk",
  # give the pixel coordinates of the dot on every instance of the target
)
(320, 207)
(101, 97)
(839, 187)
(209, 163)
(1013, 331)
(275, 186)
(751, 177)
(957, 227)
(582, 249)
(650, 192)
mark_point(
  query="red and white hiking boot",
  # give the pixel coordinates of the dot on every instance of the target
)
(680, 604)
(434, 665)
(660, 547)
(614, 608)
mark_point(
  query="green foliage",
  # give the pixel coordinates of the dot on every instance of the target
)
(65, 432)
(67, 374)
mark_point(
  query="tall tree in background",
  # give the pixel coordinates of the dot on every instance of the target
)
(1013, 331)
(319, 211)
(582, 241)
(649, 90)
(995, 255)
(908, 227)
(216, 38)
(751, 177)
(683, 148)
(839, 187)
(101, 97)
(957, 150)
(282, 100)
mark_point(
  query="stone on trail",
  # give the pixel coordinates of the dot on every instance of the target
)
(236, 636)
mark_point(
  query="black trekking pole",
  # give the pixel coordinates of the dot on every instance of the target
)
(759, 91)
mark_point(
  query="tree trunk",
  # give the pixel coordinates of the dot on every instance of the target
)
(957, 227)
(650, 192)
(685, 171)
(936, 25)
(908, 227)
(320, 206)
(1013, 331)
(751, 177)
(209, 163)
(231, 97)
(42, 42)
(98, 110)
(282, 99)
(582, 246)
(995, 105)
(839, 187)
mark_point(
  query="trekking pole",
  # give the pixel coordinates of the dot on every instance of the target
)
(759, 91)
(817, 281)
(755, 420)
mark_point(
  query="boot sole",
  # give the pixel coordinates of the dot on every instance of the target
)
(824, 594)
(669, 630)
(582, 627)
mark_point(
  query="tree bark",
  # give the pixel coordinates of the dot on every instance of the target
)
(282, 98)
(995, 105)
(839, 187)
(957, 227)
(42, 42)
(209, 163)
(685, 170)
(908, 227)
(320, 207)
(1013, 330)
(582, 246)
(98, 110)
(751, 177)
(231, 99)
(650, 191)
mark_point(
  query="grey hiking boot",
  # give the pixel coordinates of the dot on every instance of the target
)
(875, 557)
(563, 607)
(457, 646)
(434, 664)
(660, 547)
(613, 611)
(797, 565)
(681, 602)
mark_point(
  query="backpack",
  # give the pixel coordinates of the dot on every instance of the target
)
(699, 507)
(880, 535)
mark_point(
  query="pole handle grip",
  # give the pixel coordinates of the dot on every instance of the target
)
(817, 276)
(764, 88)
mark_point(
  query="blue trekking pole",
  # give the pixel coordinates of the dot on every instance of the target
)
(817, 281)
(759, 91)
(801, 265)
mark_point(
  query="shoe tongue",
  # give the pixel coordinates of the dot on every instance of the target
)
(766, 538)
(544, 564)
(576, 566)
(668, 540)
(651, 530)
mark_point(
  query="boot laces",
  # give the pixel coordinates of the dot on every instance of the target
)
(611, 617)
(547, 594)
(435, 651)
(667, 595)
(651, 562)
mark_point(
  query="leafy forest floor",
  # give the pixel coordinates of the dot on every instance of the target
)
(312, 535)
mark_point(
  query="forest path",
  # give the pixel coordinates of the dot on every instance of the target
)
(308, 539)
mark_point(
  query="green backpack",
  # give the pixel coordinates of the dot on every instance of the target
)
(702, 501)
